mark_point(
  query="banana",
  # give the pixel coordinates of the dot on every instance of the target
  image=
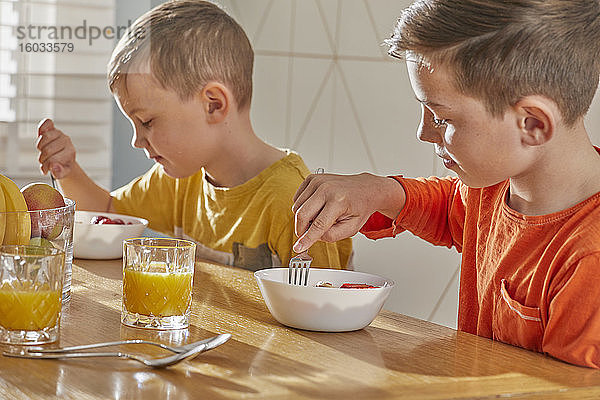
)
(17, 225)
(2, 215)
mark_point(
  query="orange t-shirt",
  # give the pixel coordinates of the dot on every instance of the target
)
(531, 281)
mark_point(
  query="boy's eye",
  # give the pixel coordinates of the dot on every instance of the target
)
(439, 123)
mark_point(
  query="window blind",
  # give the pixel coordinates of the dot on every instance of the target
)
(53, 57)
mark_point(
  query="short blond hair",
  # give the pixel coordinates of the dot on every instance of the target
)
(186, 43)
(501, 51)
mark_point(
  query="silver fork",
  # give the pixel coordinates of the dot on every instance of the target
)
(174, 349)
(298, 269)
(300, 264)
(150, 362)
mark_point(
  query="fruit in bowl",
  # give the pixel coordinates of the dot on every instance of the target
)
(41, 196)
(37, 210)
(103, 219)
(350, 301)
(100, 235)
(37, 215)
(15, 222)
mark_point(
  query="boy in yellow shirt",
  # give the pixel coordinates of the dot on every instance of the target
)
(183, 77)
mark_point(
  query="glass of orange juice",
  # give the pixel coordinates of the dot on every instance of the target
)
(157, 282)
(31, 283)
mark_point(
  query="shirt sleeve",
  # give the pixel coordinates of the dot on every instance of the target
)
(572, 331)
(434, 210)
(151, 196)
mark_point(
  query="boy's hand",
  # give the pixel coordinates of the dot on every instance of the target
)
(57, 153)
(334, 207)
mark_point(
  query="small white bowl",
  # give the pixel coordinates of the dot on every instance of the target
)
(103, 241)
(320, 308)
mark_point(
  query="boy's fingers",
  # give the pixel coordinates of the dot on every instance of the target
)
(300, 189)
(58, 171)
(47, 137)
(305, 191)
(321, 224)
(45, 125)
(50, 149)
(56, 153)
(308, 210)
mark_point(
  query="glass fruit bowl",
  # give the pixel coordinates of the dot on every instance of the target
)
(52, 228)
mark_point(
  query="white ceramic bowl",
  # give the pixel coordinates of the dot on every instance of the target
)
(103, 242)
(319, 308)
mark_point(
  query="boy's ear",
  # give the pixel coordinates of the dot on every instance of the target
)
(536, 119)
(216, 100)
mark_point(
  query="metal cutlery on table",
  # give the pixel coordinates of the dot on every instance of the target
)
(174, 349)
(300, 264)
(189, 352)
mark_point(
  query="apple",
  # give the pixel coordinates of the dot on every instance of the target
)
(39, 197)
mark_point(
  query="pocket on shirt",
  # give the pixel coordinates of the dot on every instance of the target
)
(515, 323)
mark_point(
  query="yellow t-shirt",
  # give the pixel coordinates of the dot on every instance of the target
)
(249, 226)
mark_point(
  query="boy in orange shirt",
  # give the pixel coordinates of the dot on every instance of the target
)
(503, 87)
(183, 78)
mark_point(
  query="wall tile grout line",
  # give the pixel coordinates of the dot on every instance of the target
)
(288, 107)
(378, 36)
(313, 105)
(355, 113)
(323, 56)
(262, 21)
(332, 42)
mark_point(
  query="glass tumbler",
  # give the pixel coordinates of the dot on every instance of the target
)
(52, 228)
(31, 283)
(157, 282)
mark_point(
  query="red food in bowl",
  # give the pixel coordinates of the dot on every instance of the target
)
(103, 220)
(357, 286)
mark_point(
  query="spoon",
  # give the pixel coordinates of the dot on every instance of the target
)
(174, 349)
(40, 133)
(150, 362)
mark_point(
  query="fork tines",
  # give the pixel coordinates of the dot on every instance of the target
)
(298, 269)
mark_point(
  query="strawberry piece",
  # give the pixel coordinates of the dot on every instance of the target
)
(357, 286)
(97, 219)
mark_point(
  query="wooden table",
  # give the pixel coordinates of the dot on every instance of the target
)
(395, 357)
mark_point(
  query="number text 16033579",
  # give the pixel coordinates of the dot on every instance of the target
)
(47, 47)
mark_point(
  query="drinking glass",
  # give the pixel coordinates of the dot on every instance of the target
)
(52, 228)
(157, 282)
(31, 282)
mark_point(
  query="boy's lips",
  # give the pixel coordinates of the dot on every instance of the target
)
(448, 162)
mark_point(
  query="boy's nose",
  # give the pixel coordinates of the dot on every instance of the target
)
(136, 140)
(427, 133)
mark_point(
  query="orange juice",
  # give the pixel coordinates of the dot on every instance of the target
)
(23, 307)
(157, 293)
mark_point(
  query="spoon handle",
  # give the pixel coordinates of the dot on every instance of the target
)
(54, 356)
(154, 363)
(180, 349)
(94, 346)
